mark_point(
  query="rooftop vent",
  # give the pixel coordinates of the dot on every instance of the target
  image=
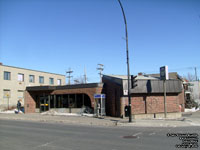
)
(140, 74)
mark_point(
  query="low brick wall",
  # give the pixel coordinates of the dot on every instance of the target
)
(173, 115)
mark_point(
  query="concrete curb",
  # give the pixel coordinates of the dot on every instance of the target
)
(106, 121)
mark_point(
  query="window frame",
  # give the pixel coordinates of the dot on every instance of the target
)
(51, 81)
(7, 75)
(32, 80)
(19, 79)
(41, 77)
(59, 81)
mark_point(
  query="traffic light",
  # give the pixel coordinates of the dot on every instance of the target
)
(133, 81)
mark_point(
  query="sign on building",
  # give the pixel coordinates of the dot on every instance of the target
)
(6, 93)
(100, 104)
(99, 96)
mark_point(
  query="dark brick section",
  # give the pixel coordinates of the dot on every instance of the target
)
(113, 94)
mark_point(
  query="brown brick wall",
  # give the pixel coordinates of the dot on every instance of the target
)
(29, 103)
(153, 104)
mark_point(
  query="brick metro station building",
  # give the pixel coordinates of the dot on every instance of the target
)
(147, 99)
(67, 98)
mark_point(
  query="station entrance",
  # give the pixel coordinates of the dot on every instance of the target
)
(64, 99)
(70, 101)
(44, 103)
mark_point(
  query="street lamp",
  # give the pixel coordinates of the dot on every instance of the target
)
(128, 70)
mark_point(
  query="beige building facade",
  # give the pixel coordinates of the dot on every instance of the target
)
(14, 80)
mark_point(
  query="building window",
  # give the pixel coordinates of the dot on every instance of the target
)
(6, 93)
(59, 81)
(6, 75)
(41, 79)
(31, 78)
(20, 77)
(51, 81)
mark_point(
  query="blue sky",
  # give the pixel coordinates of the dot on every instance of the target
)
(54, 35)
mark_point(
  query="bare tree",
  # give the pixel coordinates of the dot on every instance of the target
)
(79, 80)
(190, 77)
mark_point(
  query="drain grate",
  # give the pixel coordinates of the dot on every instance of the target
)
(130, 137)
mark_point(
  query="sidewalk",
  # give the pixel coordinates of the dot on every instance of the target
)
(188, 119)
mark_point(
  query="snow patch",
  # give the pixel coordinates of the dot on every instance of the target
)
(192, 110)
(55, 113)
(13, 111)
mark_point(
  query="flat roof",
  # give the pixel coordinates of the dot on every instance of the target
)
(139, 77)
(172, 75)
(63, 87)
(32, 70)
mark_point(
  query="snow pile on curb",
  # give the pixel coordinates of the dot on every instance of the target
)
(13, 111)
(192, 110)
(8, 112)
(88, 115)
(55, 113)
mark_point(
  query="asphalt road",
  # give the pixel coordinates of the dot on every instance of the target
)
(26, 135)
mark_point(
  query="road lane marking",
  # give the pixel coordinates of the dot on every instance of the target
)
(152, 133)
(136, 134)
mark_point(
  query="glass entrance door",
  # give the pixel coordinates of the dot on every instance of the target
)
(44, 103)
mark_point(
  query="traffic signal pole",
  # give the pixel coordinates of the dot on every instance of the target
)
(128, 70)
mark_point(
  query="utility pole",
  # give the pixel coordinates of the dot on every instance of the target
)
(69, 76)
(100, 68)
(127, 55)
(195, 68)
(165, 105)
(164, 75)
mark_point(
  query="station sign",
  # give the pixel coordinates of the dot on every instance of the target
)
(99, 96)
(164, 75)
